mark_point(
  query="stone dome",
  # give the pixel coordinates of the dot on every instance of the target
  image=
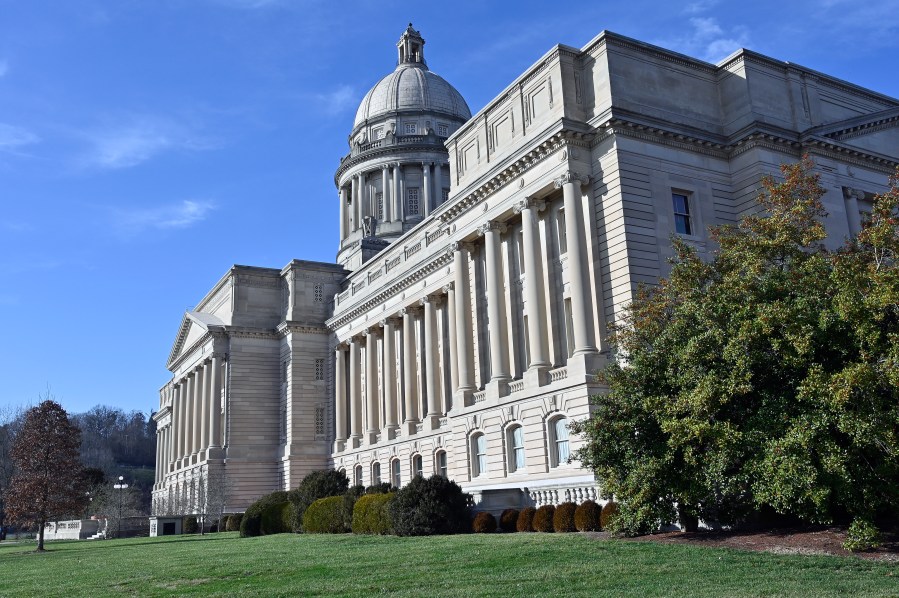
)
(412, 87)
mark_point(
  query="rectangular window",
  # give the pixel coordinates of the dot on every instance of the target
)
(418, 466)
(518, 448)
(375, 474)
(412, 200)
(445, 195)
(379, 196)
(560, 436)
(681, 204)
(441, 464)
(563, 235)
(396, 481)
(411, 128)
(319, 369)
(442, 130)
(481, 455)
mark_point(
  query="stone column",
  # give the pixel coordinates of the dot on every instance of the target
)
(388, 374)
(463, 323)
(215, 414)
(426, 187)
(340, 397)
(184, 441)
(176, 420)
(355, 394)
(410, 372)
(395, 191)
(371, 385)
(570, 183)
(534, 284)
(496, 306)
(385, 195)
(354, 208)
(343, 213)
(451, 338)
(432, 382)
(158, 472)
(205, 407)
(195, 414)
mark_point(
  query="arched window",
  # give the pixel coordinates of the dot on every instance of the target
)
(418, 466)
(395, 473)
(440, 467)
(478, 455)
(558, 440)
(515, 440)
(375, 474)
(357, 475)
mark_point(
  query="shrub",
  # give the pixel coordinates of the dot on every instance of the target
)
(318, 484)
(370, 514)
(508, 519)
(586, 517)
(526, 520)
(862, 535)
(332, 515)
(609, 512)
(430, 506)
(543, 519)
(264, 516)
(382, 488)
(190, 525)
(563, 518)
(233, 524)
(483, 523)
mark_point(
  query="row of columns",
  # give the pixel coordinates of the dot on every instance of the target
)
(461, 332)
(196, 415)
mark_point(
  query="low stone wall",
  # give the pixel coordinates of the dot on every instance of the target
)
(76, 529)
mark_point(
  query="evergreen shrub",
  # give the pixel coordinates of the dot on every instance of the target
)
(189, 525)
(609, 512)
(264, 516)
(586, 517)
(563, 518)
(233, 523)
(483, 523)
(526, 520)
(318, 484)
(508, 520)
(382, 488)
(370, 514)
(543, 519)
(430, 506)
(332, 515)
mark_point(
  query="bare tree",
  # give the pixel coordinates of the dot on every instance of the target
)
(216, 487)
(118, 501)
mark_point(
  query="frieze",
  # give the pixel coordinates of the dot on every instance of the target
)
(259, 281)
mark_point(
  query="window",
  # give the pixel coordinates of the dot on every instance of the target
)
(319, 369)
(681, 213)
(442, 130)
(319, 421)
(395, 473)
(375, 474)
(445, 195)
(411, 128)
(563, 234)
(412, 200)
(479, 455)
(357, 475)
(379, 196)
(418, 466)
(558, 436)
(441, 468)
(318, 293)
(516, 449)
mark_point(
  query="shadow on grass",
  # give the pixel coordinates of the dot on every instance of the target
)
(80, 545)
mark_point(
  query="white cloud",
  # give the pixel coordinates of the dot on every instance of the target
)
(173, 216)
(339, 100)
(708, 40)
(12, 138)
(700, 6)
(127, 145)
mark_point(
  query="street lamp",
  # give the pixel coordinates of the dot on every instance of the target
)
(120, 486)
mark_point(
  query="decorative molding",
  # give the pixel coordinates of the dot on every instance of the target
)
(285, 328)
(529, 203)
(492, 225)
(570, 177)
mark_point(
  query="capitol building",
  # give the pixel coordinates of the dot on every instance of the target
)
(481, 260)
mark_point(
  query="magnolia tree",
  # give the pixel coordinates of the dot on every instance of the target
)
(762, 377)
(48, 483)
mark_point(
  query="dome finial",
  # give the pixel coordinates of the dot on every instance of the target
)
(410, 48)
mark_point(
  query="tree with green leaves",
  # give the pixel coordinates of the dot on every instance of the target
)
(764, 378)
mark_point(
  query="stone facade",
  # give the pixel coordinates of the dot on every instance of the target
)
(461, 342)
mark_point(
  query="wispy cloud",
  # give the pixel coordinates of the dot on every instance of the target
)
(248, 4)
(13, 138)
(165, 217)
(700, 6)
(708, 40)
(139, 140)
(337, 101)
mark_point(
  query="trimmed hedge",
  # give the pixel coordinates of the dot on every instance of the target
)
(332, 515)
(483, 523)
(508, 519)
(190, 525)
(543, 519)
(586, 517)
(563, 518)
(233, 522)
(526, 520)
(382, 488)
(425, 507)
(609, 511)
(265, 516)
(318, 484)
(370, 514)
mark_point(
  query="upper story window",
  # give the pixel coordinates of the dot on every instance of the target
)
(412, 201)
(411, 128)
(375, 474)
(442, 130)
(318, 293)
(395, 473)
(558, 441)
(417, 466)
(516, 449)
(442, 469)
(478, 455)
(357, 475)
(681, 203)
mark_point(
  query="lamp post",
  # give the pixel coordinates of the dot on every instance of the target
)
(121, 486)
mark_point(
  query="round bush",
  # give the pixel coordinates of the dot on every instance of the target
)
(483, 523)
(563, 518)
(264, 516)
(543, 519)
(318, 484)
(586, 517)
(190, 525)
(332, 515)
(430, 506)
(508, 519)
(370, 514)
(526, 520)
(233, 523)
(609, 512)
(382, 488)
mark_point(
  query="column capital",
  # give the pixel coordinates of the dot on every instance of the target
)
(529, 202)
(449, 287)
(435, 299)
(492, 225)
(372, 331)
(459, 246)
(342, 346)
(388, 320)
(571, 177)
(410, 310)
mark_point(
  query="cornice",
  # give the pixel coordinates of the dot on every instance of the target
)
(241, 332)
(285, 328)
(853, 155)
(389, 150)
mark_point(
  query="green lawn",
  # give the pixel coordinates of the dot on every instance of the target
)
(470, 565)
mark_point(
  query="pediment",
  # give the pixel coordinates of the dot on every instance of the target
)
(858, 126)
(194, 325)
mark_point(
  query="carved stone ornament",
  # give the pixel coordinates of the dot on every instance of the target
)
(530, 202)
(570, 177)
(449, 287)
(492, 225)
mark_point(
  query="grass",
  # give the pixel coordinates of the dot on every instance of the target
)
(469, 565)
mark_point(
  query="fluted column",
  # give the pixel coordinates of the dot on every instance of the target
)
(496, 305)
(184, 441)
(343, 213)
(176, 420)
(205, 407)
(215, 414)
(195, 416)
(450, 291)
(158, 472)
(432, 381)
(570, 183)
(340, 397)
(462, 322)
(538, 337)
(388, 374)
(385, 195)
(395, 191)
(426, 186)
(354, 199)
(355, 394)
(410, 371)
(371, 385)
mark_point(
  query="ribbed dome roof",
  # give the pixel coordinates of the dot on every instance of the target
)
(412, 87)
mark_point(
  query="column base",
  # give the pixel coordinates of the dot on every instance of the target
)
(583, 367)
(391, 432)
(355, 441)
(410, 427)
(215, 453)
(497, 389)
(462, 398)
(339, 445)
(432, 421)
(537, 375)
(372, 437)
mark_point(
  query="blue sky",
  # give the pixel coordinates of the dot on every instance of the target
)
(146, 146)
